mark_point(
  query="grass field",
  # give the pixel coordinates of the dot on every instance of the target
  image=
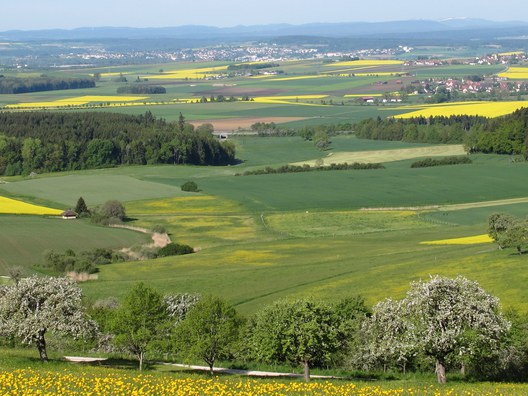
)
(95, 187)
(257, 243)
(379, 156)
(376, 265)
(25, 238)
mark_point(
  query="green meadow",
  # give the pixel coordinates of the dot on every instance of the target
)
(260, 238)
(25, 238)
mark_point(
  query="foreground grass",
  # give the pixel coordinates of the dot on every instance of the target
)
(21, 373)
(97, 381)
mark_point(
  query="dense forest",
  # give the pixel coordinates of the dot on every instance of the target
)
(501, 135)
(14, 85)
(51, 142)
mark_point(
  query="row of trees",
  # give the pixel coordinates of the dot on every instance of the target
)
(15, 85)
(502, 135)
(50, 142)
(442, 323)
(429, 162)
(140, 89)
(307, 168)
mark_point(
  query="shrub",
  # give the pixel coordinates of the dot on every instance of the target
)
(113, 209)
(190, 186)
(112, 212)
(174, 249)
(159, 229)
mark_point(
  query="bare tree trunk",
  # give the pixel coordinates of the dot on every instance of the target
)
(141, 356)
(306, 370)
(210, 362)
(41, 344)
(463, 369)
(440, 371)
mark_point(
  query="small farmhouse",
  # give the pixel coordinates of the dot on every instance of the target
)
(69, 214)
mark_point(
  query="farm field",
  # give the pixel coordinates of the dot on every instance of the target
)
(13, 206)
(301, 93)
(515, 73)
(485, 109)
(256, 242)
(25, 238)
(376, 265)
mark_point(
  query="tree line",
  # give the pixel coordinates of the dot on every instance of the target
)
(442, 323)
(253, 66)
(501, 135)
(307, 168)
(16, 85)
(429, 162)
(142, 89)
(55, 141)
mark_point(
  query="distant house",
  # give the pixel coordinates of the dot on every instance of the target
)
(368, 99)
(69, 214)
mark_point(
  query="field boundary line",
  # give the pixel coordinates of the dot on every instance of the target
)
(402, 208)
(484, 204)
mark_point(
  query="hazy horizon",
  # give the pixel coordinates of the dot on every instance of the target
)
(63, 14)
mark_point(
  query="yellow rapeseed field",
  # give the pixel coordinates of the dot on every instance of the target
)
(295, 78)
(471, 240)
(511, 53)
(183, 74)
(515, 73)
(376, 74)
(293, 99)
(485, 109)
(77, 101)
(12, 206)
(98, 382)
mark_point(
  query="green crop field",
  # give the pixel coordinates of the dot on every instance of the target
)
(96, 188)
(375, 265)
(256, 242)
(25, 238)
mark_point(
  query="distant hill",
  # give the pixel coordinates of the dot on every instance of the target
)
(351, 29)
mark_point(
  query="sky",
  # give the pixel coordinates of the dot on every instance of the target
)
(68, 14)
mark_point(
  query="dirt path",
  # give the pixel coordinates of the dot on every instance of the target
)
(249, 373)
(469, 205)
(158, 240)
